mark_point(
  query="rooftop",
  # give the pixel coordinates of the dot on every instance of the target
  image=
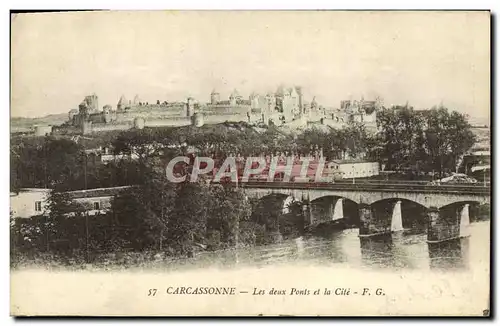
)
(97, 192)
(351, 161)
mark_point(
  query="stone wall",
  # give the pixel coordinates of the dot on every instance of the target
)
(214, 119)
(172, 122)
(96, 127)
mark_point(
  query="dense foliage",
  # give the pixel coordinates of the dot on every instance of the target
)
(178, 218)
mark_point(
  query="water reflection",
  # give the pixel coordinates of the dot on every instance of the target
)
(397, 251)
(452, 254)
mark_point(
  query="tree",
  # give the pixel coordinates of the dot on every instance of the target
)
(143, 213)
(229, 209)
(401, 132)
(57, 214)
(44, 162)
(448, 137)
(355, 137)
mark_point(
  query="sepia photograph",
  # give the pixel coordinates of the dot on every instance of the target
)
(250, 163)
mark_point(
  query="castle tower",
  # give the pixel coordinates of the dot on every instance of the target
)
(197, 119)
(300, 98)
(137, 100)
(122, 103)
(289, 104)
(72, 113)
(254, 101)
(234, 97)
(214, 97)
(107, 113)
(268, 107)
(314, 105)
(190, 107)
(92, 102)
(294, 102)
(83, 110)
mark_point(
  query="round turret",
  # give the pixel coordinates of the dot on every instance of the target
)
(139, 123)
(190, 107)
(197, 119)
(214, 97)
(72, 113)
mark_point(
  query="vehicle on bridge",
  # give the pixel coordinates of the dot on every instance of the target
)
(456, 178)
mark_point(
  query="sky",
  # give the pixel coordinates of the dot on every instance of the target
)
(423, 58)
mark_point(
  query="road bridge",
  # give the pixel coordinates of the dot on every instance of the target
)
(382, 207)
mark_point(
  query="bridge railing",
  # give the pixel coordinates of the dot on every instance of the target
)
(407, 187)
(375, 182)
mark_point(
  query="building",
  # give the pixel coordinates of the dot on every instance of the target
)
(355, 168)
(42, 130)
(477, 163)
(123, 104)
(33, 201)
(91, 102)
(361, 111)
(29, 202)
(284, 105)
(235, 102)
(95, 201)
(90, 119)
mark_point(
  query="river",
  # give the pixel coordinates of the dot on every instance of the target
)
(399, 251)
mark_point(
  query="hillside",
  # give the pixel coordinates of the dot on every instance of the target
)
(22, 124)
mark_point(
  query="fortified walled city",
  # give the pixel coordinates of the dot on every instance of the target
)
(287, 106)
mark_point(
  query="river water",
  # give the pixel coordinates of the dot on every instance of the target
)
(399, 251)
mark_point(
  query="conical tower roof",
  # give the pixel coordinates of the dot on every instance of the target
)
(235, 93)
(280, 91)
(122, 101)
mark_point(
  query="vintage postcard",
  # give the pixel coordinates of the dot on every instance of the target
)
(250, 163)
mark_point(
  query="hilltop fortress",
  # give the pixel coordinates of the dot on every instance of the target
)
(286, 106)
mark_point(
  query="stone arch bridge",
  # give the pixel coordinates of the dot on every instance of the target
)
(380, 208)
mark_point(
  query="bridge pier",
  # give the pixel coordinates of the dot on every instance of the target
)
(307, 213)
(369, 226)
(397, 218)
(372, 224)
(338, 210)
(327, 210)
(447, 225)
(465, 221)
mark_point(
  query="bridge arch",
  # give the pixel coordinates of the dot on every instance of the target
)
(401, 214)
(459, 204)
(283, 201)
(279, 214)
(329, 208)
(351, 196)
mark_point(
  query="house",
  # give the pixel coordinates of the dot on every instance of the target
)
(106, 155)
(355, 168)
(95, 201)
(32, 202)
(28, 202)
